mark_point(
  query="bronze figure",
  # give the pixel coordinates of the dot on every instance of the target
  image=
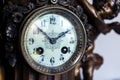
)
(100, 10)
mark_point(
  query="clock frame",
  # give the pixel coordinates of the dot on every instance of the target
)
(81, 42)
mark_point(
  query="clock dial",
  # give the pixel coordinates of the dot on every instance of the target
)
(52, 40)
(51, 36)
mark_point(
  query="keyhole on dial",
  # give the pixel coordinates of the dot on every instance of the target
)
(39, 50)
(64, 50)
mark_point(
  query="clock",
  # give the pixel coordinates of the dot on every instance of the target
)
(52, 39)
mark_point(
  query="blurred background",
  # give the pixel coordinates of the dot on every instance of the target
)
(108, 46)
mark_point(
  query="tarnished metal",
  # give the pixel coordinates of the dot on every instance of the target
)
(100, 10)
(15, 11)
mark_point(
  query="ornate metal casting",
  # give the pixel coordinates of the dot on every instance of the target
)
(92, 16)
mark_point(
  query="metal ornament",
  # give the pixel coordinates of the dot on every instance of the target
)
(14, 12)
(54, 1)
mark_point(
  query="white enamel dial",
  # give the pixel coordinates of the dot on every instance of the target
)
(50, 40)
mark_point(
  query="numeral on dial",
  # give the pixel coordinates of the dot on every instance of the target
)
(52, 60)
(52, 20)
(31, 41)
(42, 58)
(61, 58)
(43, 23)
(72, 40)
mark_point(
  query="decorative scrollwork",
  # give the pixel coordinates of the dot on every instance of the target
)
(13, 15)
(64, 2)
(42, 2)
(54, 1)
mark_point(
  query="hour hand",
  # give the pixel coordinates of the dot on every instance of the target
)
(62, 34)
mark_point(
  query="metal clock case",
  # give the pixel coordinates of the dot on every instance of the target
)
(52, 40)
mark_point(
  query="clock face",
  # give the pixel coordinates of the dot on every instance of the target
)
(52, 40)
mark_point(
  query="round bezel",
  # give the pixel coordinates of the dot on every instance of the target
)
(81, 39)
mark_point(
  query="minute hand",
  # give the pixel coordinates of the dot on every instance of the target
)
(62, 34)
(44, 33)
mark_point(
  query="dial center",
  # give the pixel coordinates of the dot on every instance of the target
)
(53, 41)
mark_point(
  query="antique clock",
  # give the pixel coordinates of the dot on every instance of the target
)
(53, 39)
(51, 36)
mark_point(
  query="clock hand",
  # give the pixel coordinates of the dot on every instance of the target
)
(44, 33)
(53, 40)
(62, 34)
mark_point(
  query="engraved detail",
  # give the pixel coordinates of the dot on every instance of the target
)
(54, 1)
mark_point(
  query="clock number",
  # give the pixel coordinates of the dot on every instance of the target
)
(42, 58)
(52, 20)
(34, 50)
(61, 58)
(43, 23)
(52, 60)
(31, 41)
(72, 40)
(69, 50)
